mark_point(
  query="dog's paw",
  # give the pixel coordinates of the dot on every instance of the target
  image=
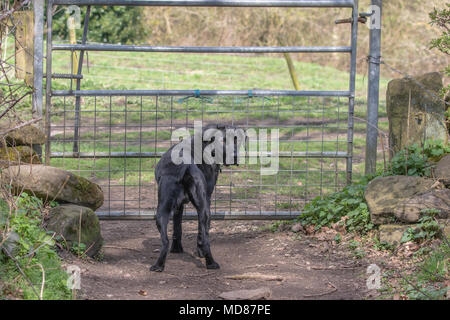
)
(213, 265)
(176, 248)
(157, 268)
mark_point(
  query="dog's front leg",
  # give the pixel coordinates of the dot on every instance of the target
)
(162, 219)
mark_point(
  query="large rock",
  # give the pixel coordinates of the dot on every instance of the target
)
(385, 194)
(410, 210)
(25, 136)
(49, 183)
(65, 221)
(442, 170)
(254, 294)
(425, 108)
(10, 156)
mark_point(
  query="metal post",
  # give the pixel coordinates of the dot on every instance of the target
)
(38, 66)
(351, 104)
(76, 133)
(48, 90)
(374, 89)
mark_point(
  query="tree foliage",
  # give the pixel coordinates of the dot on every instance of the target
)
(441, 19)
(107, 24)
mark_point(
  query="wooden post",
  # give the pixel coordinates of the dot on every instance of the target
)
(24, 46)
(292, 72)
(73, 40)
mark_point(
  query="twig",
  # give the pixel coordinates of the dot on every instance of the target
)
(20, 126)
(43, 244)
(79, 233)
(124, 248)
(255, 276)
(413, 285)
(322, 294)
(43, 279)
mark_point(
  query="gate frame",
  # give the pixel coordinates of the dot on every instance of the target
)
(371, 143)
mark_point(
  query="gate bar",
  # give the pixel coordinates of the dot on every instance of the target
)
(107, 93)
(99, 155)
(131, 48)
(217, 3)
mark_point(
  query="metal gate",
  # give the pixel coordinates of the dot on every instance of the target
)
(115, 137)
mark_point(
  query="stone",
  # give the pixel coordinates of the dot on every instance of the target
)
(410, 210)
(254, 294)
(442, 170)
(65, 221)
(408, 103)
(393, 233)
(49, 183)
(10, 243)
(283, 227)
(10, 156)
(25, 136)
(384, 194)
(298, 228)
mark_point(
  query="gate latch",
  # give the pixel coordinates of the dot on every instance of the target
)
(362, 18)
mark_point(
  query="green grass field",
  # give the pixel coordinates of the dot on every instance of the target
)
(144, 124)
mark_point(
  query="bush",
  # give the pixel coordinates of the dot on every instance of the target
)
(33, 251)
(415, 160)
(349, 202)
(108, 24)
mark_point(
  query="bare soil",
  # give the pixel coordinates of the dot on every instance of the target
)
(305, 268)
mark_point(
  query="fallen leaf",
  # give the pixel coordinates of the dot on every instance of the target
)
(143, 292)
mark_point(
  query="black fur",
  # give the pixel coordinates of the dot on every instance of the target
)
(177, 185)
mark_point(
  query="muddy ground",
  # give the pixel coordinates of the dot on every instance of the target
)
(304, 267)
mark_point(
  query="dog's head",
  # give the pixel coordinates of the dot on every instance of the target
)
(223, 139)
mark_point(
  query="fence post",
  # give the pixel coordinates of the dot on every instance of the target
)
(374, 60)
(38, 65)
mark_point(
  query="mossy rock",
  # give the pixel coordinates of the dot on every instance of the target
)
(49, 183)
(17, 155)
(393, 233)
(422, 103)
(25, 136)
(442, 170)
(385, 194)
(65, 221)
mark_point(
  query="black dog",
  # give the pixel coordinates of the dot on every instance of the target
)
(180, 183)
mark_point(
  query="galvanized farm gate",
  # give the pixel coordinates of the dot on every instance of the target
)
(115, 137)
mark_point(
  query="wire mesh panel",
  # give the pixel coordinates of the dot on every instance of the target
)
(116, 137)
(312, 148)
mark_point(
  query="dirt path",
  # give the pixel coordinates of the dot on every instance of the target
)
(309, 268)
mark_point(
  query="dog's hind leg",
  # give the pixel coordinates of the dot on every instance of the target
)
(168, 192)
(199, 198)
(162, 220)
(177, 231)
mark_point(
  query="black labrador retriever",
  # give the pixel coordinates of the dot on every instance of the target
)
(180, 183)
